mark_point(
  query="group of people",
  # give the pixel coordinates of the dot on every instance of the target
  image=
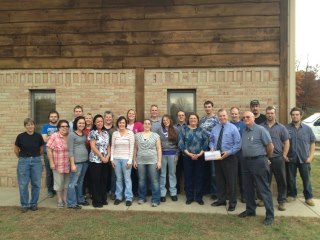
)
(134, 158)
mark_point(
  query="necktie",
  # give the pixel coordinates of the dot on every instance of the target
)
(220, 139)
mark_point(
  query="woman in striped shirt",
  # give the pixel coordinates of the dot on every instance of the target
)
(121, 158)
(147, 159)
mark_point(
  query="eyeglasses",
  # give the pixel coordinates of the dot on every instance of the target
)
(247, 117)
(64, 126)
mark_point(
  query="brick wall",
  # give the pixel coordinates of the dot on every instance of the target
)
(100, 90)
(95, 90)
(226, 87)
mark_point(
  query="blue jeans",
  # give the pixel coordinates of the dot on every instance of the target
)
(304, 169)
(168, 160)
(75, 186)
(123, 173)
(150, 171)
(29, 169)
(49, 174)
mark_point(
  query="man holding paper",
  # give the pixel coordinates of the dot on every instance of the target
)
(225, 138)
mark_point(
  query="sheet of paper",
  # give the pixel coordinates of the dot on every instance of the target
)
(212, 155)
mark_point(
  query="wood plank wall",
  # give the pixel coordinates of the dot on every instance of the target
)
(139, 33)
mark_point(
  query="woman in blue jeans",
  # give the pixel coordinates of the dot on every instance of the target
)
(147, 159)
(168, 137)
(78, 154)
(121, 158)
(28, 148)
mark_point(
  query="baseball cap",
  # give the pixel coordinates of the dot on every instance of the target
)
(254, 102)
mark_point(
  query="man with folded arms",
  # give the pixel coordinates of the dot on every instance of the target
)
(280, 140)
(225, 138)
(257, 147)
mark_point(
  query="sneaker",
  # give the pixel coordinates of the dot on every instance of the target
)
(24, 209)
(260, 203)
(281, 207)
(34, 208)
(141, 201)
(117, 202)
(310, 202)
(128, 203)
(50, 195)
(60, 205)
(163, 199)
(154, 204)
(76, 207)
(291, 199)
(85, 203)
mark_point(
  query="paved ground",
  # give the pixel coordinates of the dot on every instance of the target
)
(10, 197)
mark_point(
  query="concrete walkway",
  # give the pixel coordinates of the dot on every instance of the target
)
(10, 197)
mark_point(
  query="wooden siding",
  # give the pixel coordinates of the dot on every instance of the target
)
(139, 34)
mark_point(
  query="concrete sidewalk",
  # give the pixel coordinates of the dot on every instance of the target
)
(10, 197)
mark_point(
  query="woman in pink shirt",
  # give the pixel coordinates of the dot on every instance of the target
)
(135, 127)
(133, 124)
(57, 150)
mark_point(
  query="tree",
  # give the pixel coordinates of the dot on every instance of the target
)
(307, 87)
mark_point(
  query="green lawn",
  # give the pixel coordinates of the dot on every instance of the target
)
(70, 224)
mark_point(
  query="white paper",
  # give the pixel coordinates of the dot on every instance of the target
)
(212, 155)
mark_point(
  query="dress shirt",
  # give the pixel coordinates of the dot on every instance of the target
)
(231, 139)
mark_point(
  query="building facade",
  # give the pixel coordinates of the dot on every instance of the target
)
(117, 55)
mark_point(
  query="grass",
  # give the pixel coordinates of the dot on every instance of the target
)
(70, 224)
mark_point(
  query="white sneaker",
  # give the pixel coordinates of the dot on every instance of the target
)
(60, 205)
(141, 201)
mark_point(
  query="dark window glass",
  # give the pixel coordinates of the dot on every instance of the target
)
(42, 102)
(184, 100)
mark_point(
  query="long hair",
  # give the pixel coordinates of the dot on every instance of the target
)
(172, 135)
(75, 122)
(94, 127)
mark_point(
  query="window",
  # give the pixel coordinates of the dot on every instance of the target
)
(42, 102)
(184, 100)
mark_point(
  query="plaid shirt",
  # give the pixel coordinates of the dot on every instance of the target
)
(59, 146)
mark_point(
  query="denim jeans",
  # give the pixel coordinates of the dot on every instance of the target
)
(29, 169)
(304, 169)
(150, 171)
(168, 161)
(49, 174)
(123, 174)
(75, 186)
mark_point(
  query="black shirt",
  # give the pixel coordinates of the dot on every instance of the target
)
(262, 118)
(29, 144)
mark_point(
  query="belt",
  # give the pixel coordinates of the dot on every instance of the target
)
(255, 157)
